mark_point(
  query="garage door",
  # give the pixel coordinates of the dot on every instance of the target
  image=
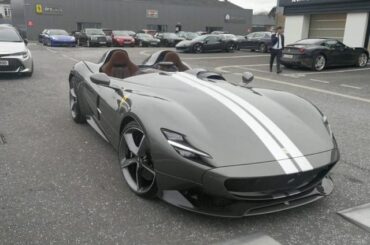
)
(327, 26)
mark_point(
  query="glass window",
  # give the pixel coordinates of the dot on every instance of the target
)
(9, 35)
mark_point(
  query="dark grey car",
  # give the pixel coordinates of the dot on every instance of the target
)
(201, 143)
(254, 41)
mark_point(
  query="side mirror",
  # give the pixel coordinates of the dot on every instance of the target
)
(100, 79)
(25, 41)
(247, 77)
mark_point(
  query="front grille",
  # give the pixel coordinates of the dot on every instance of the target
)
(102, 39)
(275, 186)
(14, 64)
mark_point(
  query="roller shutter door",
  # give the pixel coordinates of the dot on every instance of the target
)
(327, 26)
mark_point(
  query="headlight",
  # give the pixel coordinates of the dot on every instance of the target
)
(24, 54)
(179, 143)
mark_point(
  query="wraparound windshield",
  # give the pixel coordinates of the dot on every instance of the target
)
(58, 33)
(95, 32)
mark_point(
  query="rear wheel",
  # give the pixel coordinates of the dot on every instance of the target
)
(230, 47)
(74, 103)
(319, 63)
(263, 48)
(135, 161)
(198, 48)
(362, 60)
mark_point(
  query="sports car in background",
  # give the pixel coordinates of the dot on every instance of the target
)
(146, 40)
(15, 57)
(57, 37)
(207, 43)
(201, 143)
(318, 54)
(260, 41)
(122, 38)
(91, 37)
(168, 39)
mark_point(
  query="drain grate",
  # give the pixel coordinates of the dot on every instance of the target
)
(2, 139)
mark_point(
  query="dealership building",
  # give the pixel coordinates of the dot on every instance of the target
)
(345, 20)
(161, 15)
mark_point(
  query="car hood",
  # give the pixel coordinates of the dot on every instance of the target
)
(62, 37)
(213, 123)
(12, 47)
(185, 43)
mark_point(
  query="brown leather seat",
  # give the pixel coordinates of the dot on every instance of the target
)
(175, 59)
(119, 65)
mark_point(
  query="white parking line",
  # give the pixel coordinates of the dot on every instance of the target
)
(311, 88)
(350, 86)
(319, 81)
(224, 57)
(328, 72)
(223, 69)
(51, 50)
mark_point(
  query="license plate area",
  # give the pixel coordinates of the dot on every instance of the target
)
(288, 56)
(4, 63)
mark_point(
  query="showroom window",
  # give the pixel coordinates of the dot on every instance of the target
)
(7, 12)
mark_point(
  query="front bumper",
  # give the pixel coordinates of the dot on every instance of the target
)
(56, 43)
(17, 64)
(252, 189)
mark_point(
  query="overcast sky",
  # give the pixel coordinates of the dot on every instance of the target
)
(256, 5)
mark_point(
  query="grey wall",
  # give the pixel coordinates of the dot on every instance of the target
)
(194, 15)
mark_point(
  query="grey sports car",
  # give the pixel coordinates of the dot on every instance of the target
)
(201, 143)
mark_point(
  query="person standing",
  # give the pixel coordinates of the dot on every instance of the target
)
(277, 41)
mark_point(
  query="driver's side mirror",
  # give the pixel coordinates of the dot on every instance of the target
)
(25, 41)
(247, 77)
(100, 79)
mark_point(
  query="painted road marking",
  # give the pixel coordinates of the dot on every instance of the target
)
(330, 72)
(311, 88)
(224, 57)
(350, 86)
(319, 81)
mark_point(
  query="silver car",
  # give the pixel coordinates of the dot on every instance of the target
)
(15, 57)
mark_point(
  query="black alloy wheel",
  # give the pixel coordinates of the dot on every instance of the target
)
(135, 161)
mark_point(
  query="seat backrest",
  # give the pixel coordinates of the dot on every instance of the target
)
(119, 65)
(175, 59)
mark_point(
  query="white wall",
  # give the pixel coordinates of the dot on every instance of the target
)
(355, 30)
(296, 28)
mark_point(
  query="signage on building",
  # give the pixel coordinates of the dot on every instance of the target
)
(285, 3)
(152, 13)
(48, 10)
(234, 19)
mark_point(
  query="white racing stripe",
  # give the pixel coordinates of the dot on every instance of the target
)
(281, 137)
(286, 164)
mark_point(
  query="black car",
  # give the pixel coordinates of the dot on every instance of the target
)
(199, 142)
(92, 37)
(146, 40)
(318, 54)
(42, 35)
(260, 41)
(168, 39)
(108, 35)
(207, 43)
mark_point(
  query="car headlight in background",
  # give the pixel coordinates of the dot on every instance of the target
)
(179, 143)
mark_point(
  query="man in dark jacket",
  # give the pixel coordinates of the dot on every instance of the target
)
(277, 41)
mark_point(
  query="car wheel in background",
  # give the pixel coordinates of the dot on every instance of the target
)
(135, 161)
(362, 60)
(88, 44)
(230, 47)
(319, 62)
(74, 103)
(263, 48)
(198, 48)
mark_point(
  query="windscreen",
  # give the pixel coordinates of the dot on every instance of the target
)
(9, 35)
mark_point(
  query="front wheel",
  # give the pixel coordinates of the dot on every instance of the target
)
(74, 104)
(362, 60)
(135, 161)
(198, 48)
(230, 47)
(319, 63)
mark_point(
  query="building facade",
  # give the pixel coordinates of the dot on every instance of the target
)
(345, 20)
(161, 15)
(5, 11)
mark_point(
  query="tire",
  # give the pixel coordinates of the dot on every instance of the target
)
(319, 62)
(230, 47)
(362, 60)
(135, 161)
(198, 48)
(74, 104)
(262, 48)
(88, 44)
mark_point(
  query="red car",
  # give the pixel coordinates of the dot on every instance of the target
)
(122, 38)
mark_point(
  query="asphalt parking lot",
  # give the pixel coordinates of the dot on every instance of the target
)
(60, 182)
